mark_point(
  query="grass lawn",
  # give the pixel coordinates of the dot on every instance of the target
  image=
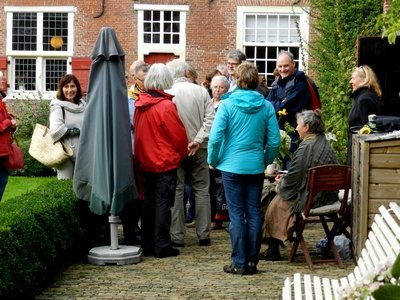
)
(18, 185)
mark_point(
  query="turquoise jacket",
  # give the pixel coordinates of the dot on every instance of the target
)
(245, 136)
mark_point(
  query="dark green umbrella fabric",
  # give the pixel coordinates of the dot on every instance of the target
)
(104, 168)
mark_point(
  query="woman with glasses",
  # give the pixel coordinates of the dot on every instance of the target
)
(366, 94)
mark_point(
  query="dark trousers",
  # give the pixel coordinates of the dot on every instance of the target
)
(159, 197)
(3, 179)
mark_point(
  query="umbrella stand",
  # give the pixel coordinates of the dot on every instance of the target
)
(114, 254)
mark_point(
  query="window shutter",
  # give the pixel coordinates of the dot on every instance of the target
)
(81, 68)
(3, 68)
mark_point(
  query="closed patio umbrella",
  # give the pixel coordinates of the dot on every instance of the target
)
(104, 168)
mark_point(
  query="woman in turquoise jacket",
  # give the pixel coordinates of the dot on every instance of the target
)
(243, 140)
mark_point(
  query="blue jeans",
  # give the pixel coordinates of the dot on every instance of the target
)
(3, 180)
(243, 195)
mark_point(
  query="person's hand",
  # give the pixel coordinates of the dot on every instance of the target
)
(14, 123)
(192, 148)
(72, 132)
(278, 178)
(211, 167)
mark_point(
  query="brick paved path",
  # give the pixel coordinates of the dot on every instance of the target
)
(195, 274)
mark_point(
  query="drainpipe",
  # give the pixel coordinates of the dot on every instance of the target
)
(102, 10)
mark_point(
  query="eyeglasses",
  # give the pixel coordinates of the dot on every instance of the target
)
(232, 63)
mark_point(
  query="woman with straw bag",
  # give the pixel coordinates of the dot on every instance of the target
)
(66, 117)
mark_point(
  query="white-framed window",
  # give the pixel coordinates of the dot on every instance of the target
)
(161, 29)
(262, 32)
(39, 47)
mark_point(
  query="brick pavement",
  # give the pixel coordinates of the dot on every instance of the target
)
(195, 274)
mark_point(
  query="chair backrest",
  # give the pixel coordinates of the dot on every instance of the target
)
(333, 177)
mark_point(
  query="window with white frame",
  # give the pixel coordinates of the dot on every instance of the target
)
(161, 29)
(39, 46)
(262, 32)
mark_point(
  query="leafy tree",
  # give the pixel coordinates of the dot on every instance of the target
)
(336, 25)
(390, 22)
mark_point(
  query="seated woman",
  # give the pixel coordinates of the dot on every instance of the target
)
(314, 150)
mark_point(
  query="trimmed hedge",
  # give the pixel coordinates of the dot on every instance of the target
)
(39, 232)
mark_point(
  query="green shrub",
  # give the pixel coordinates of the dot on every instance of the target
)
(39, 232)
(30, 113)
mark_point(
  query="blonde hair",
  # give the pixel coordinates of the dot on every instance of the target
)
(369, 78)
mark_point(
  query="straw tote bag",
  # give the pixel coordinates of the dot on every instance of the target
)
(47, 152)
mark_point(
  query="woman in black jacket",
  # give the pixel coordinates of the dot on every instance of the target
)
(366, 101)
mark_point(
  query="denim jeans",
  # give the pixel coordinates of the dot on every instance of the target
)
(3, 180)
(243, 195)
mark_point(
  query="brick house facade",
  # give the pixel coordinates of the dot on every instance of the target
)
(199, 31)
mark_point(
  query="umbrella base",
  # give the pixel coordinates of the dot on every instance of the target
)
(124, 255)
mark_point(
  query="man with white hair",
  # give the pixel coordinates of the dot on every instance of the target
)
(196, 111)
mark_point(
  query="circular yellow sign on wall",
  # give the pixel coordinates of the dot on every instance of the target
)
(56, 42)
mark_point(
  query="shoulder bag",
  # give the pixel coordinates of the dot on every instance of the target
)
(15, 159)
(47, 152)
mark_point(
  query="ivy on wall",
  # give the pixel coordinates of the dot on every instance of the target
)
(390, 21)
(337, 24)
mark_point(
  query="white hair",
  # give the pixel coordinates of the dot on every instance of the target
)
(158, 77)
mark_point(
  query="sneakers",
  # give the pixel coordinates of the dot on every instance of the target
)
(232, 270)
(166, 252)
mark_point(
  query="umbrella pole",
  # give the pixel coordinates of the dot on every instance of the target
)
(114, 221)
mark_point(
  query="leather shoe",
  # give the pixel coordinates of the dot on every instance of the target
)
(232, 270)
(180, 245)
(271, 254)
(252, 268)
(205, 242)
(216, 225)
(167, 252)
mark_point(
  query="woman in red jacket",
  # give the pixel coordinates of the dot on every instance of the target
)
(7, 124)
(160, 145)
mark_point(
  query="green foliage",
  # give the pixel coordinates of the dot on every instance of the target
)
(32, 112)
(389, 291)
(390, 22)
(333, 55)
(37, 235)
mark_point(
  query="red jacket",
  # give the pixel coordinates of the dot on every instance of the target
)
(5, 123)
(160, 137)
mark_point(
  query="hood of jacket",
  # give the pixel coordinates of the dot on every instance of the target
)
(150, 98)
(248, 101)
(67, 105)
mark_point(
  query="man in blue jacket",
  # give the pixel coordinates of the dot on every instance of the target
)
(290, 92)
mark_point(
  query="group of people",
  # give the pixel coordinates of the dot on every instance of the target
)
(226, 128)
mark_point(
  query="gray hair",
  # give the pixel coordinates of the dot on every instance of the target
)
(236, 54)
(158, 77)
(313, 119)
(223, 69)
(141, 66)
(178, 68)
(220, 78)
(287, 53)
